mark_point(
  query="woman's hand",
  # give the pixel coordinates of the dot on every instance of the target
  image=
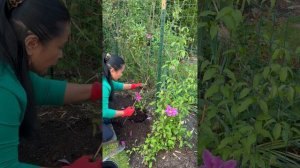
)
(136, 85)
(128, 111)
(96, 93)
(133, 86)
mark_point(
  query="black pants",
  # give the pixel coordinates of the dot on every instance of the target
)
(107, 133)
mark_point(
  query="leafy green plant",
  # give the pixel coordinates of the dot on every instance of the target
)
(140, 102)
(167, 131)
(242, 115)
(249, 89)
(83, 45)
(137, 36)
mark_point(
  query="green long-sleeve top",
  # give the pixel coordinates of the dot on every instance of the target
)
(13, 102)
(106, 89)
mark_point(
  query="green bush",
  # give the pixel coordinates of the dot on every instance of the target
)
(82, 54)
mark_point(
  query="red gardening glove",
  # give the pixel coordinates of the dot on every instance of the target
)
(85, 162)
(128, 111)
(96, 93)
(136, 85)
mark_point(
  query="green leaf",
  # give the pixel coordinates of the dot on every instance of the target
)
(276, 54)
(263, 106)
(274, 91)
(234, 110)
(265, 134)
(225, 91)
(212, 90)
(202, 24)
(277, 131)
(266, 72)
(214, 31)
(210, 73)
(244, 93)
(281, 91)
(287, 55)
(250, 141)
(263, 117)
(256, 80)
(297, 50)
(207, 12)
(229, 22)
(283, 74)
(237, 15)
(258, 125)
(290, 71)
(269, 122)
(245, 129)
(285, 133)
(223, 102)
(297, 89)
(245, 104)
(204, 65)
(290, 94)
(229, 73)
(224, 12)
(273, 2)
(224, 142)
(275, 68)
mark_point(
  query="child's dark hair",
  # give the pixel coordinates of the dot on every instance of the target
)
(111, 61)
(44, 18)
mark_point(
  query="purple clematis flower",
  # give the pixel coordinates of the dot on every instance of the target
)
(211, 161)
(138, 96)
(149, 36)
(171, 112)
(123, 143)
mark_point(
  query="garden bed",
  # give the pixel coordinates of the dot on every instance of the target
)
(65, 133)
(134, 130)
(134, 134)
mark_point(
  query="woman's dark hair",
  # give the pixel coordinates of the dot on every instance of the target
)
(111, 61)
(44, 18)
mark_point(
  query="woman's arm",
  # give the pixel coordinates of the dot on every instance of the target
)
(10, 112)
(77, 93)
(123, 86)
(55, 92)
(119, 113)
(132, 86)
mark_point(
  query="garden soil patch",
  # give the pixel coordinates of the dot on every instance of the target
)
(135, 128)
(135, 133)
(65, 133)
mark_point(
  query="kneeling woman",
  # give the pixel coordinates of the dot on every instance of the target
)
(113, 70)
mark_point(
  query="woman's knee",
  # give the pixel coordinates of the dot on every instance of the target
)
(107, 133)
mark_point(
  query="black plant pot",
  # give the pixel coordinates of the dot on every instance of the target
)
(109, 164)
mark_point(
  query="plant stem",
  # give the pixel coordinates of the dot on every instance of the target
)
(135, 100)
(216, 7)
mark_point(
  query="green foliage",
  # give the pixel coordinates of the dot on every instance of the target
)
(121, 158)
(133, 29)
(127, 36)
(242, 115)
(250, 88)
(170, 132)
(83, 45)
